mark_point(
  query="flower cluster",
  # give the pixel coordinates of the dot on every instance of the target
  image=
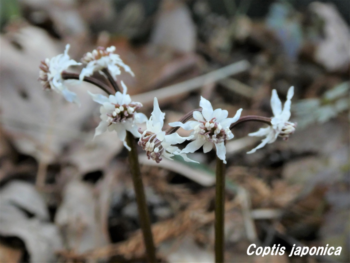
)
(209, 128)
(280, 126)
(118, 113)
(103, 58)
(50, 74)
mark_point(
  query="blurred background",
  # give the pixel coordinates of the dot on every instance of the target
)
(65, 197)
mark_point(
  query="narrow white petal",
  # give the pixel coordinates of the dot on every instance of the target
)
(125, 88)
(286, 109)
(184, 156)
(261, 132)
(70, 96)
(140, 118)
(220, 114)
(99, 98)
(101, 128)
(207, 147)
(276, 104)
(87, 71)
(193, 146)
(227, 122)
(198, 116)
(186, 126)
(221, 151)
(262, 144)
(174, 138)
(207, 108)
(133, 128)
(157, 115)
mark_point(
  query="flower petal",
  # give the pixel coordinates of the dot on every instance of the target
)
(262, 144)
(186, 159)
(174, 138)
(261, 132)
(276, 104)
(207, 147)
(193, 146)
(198, 116)
(70, 96)
(286, 109)
(207, 108)
(99, 98)
(220, 114)
(227, 122)
(186, 126)
(101, 128)
(140, 118)
(126, 97)
(221, 151)
(157, 115)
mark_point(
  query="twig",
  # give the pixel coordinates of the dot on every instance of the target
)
(111, 80)
(96, 82)
(168, 93)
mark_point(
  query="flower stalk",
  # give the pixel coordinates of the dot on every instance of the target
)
(220, 211)
(141, 199)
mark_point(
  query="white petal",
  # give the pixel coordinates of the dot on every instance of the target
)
(193, 146)
(157, 115)
(70, 96)
(101, 128)
(184, 156)
(174, 138)
(286, 109)
(261, 132)
(186, 126)
(221, 151)
(207, 108)
(133, 128)
(227, 122)
(198, 116)
(207, 147)
(108, 107)
(262, 144)
(87, 71)
(117, 98)
(98, 98)
(161, 135)
(276, 104)
(140, 118)
(220, 114)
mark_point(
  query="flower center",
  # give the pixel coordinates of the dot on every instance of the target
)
(98, 53)
(152, 146)
(43, 73)
(287, 130)
(122, 113)
(212, 131)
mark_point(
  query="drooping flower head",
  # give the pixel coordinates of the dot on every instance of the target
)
(103, 58)
(156, 142)
(211, 127)
(50, 74)
(280, 126)
(118, 113)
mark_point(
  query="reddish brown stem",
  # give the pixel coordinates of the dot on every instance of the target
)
(111, 80)
(96, 82)
(251, 118)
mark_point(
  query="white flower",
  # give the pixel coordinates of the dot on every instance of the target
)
(50, 74)
(280, 126)
(210, 127)
(103, 58)
(118, 113)
(156, 142)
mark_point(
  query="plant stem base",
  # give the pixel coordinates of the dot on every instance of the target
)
(220, 211)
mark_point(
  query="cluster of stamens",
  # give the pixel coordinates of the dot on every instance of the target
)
(152, 146)
(98, 53)
(212, 131)
(122, 113)
(288, 129)
(43, 73)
